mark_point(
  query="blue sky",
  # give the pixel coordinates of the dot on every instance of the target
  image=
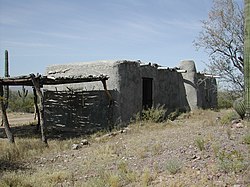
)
(38, 33)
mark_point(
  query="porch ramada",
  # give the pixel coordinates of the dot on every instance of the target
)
(37, 82)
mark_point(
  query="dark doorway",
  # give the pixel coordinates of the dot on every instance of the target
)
(147, 85)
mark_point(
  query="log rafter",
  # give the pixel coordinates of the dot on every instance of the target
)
(26, 80)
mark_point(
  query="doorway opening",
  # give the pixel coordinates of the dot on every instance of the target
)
(147, 93)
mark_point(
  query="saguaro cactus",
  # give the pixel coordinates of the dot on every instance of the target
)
(6, 88)
(246, 57)
(6, 74)
(24, 94)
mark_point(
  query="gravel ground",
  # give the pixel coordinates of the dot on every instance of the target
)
(197, 149)
(194, 150)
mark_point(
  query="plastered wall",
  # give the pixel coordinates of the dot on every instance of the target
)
(86, 106)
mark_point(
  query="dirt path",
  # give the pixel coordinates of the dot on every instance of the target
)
(19, 118)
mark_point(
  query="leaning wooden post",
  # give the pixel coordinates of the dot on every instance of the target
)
(107, 92)
(110, 117)
(5, 118)
(36, 109)
(36, 83)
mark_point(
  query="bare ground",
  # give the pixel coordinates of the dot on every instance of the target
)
(194, 150)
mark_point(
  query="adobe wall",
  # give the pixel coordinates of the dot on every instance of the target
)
(85, 105)
(201, 91)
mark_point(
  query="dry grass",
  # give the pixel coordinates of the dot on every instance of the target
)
(184, 152)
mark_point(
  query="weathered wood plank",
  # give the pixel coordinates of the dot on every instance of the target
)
(5, 118)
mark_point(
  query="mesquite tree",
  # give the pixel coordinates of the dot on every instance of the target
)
(222, 36)
(246, 57)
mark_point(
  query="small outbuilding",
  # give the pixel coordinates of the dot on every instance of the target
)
(132, 86)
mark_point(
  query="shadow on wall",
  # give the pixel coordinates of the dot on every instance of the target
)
(75, 113)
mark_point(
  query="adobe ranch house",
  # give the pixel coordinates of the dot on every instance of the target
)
(132, 85)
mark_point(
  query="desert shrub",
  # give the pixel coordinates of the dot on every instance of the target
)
(155, 114)
(226, 99)
(200, 143)
(24, 148)
(30, 147)
(173, 166)
(42, 178)
(246, 138)
(231, 161)
(12, 179)
(147, 177)
(173, 115)
(228, 117)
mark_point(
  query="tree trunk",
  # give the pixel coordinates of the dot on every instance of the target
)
(4, 118)
(246, 58)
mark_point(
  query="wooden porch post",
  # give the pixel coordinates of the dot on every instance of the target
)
(36, 109)
(107, 92)
(4, 117)
(36, 84)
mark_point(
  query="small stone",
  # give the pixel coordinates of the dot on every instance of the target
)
(239, 125)
(97, 139)
(207, 156)
(75, 146)
(235, 121)
(194, 157)
(198, 158)
(84, 142)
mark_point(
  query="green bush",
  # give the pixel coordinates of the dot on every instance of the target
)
(226, 99)
(227, 118)
(200, 143)
(231, 161)
(246, 138)
(173, 166)
(156, 114)
(173, 115)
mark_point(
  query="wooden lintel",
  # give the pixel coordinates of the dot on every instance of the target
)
(48, 81)
(44, 80)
